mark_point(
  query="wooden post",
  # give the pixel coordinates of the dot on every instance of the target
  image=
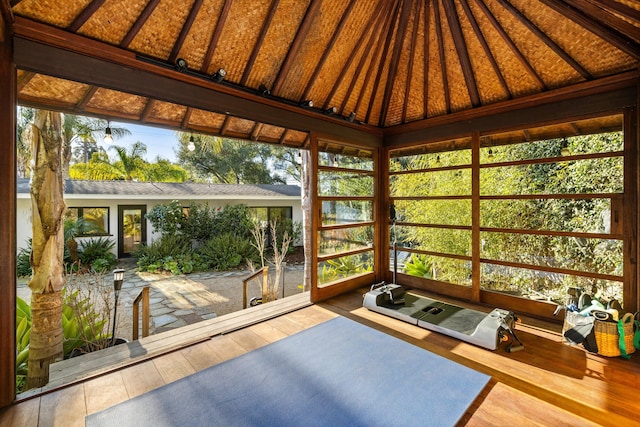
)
(144, 297)
(265, 284)
(8, 211)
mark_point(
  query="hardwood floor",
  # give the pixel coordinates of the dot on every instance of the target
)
(546, 384)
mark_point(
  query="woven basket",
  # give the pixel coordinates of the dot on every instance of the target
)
(608, 338)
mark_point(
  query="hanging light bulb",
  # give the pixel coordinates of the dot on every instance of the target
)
(108, 138)
(564, 151)
(192, 145)
(490, 153)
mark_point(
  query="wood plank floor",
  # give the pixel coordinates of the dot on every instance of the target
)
(546, 384)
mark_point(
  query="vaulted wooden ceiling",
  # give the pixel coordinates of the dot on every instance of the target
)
(372, 64)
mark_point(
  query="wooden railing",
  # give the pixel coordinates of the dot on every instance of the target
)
(265, 283)
(144, 298)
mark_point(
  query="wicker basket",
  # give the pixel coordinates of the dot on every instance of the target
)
(608, 337)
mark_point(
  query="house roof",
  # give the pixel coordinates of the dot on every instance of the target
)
(389, 62)
(165, 190)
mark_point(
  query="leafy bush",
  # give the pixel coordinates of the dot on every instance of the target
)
(169, 253)
(23, 263)
(96, 252)
(85, 322)
(226, 251)
(419, 266)
(167, 219)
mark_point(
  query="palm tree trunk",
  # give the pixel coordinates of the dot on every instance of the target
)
(47, 212)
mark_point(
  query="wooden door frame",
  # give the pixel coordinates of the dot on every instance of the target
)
(143, 229)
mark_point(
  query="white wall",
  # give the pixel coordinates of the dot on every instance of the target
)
(23, 214)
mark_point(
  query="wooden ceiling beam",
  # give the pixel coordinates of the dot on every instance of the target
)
(144, 117)
(256, 48)
(546, 39)
(215, 37)
(82, 104)
(137, 26)
(195, 8)
(605, 13)
(443, 62)
(296, 45)
(85, 15)
(375, 21)
(186, 118)
(325, 54)
(414, 41)
(463, 53)
(389, 31)
(485, 47)
(427, 27)
(401, 34)
(112, 69)
(256, 131)
(568, 9)
(512, 46)
(24, 80)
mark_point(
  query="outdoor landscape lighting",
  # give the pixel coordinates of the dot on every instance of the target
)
(108, 138)
(192, 145)
(219, 75)
(118, 278)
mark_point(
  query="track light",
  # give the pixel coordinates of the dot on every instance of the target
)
(219, 75)
(181, 65)
(263, 90)
(352, 116)
(564, 151)
(108, 138)
(192, 145)
(331, 111)
(307, 103)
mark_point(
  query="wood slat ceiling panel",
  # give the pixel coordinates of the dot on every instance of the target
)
(159, 33)
(111, 22)
(390, 61)
(194, 48)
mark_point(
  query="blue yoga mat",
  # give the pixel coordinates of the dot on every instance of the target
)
(338, 373)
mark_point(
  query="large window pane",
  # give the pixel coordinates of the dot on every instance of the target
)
(344, 267)
(542, 285)
(346, 212)
(448, 212)
(574, 215)
(340, 183)
(455, 182)
(590, 255)
(430, 160)
(443, 240)
(344, 239)
(450, 270)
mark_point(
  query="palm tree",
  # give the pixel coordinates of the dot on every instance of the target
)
(130, 164)
(23, 153)
(47, 250)
(84, 133)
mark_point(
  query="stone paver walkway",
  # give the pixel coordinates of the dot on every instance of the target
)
(177, 301)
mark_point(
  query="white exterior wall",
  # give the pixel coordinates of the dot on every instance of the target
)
(23, 214)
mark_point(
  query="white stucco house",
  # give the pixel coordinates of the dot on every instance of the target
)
(118, 207)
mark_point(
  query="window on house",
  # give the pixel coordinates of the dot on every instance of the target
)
(89, 221)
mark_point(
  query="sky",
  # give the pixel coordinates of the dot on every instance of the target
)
(159, 141)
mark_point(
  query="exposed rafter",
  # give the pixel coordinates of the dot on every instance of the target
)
(256, 48)
(215, 37)
(137, 26)
(297, 44)
(85, 15)
(195, 8)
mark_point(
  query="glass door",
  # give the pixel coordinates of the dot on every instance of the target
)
(132, 229)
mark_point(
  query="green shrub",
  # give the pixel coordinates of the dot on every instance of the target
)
(23, 262)
(96, 252)
(420, 266)
(169, 253)
(226, 251)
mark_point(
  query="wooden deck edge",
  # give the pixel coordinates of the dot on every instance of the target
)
(91, 365)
